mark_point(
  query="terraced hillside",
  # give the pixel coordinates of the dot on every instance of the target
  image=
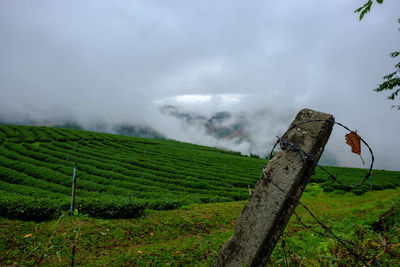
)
(119, 176)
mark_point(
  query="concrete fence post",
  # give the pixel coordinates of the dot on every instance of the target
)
(268, 210)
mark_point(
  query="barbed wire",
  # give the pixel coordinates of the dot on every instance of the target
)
(285, 145)
(304, 155)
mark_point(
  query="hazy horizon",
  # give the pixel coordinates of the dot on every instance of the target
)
(118, 62)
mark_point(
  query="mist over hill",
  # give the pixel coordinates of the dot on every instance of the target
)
(221, 125)
(242, 131)
(247, 132)
(119, 128)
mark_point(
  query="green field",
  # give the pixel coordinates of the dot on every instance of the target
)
(153, 202)
(120, 176)
(193, 235)
(117, 176)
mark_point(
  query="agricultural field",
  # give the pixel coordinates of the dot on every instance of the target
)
(117, 176)
(120, 176)
(144, 202)
(193, 235)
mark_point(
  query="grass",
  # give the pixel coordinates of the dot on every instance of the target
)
(194, 234)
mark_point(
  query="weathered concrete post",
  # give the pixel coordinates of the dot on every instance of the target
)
(268, 210)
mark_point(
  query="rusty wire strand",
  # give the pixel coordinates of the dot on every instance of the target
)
(290, 146)
(285, 145)
(326, 228)
(298, 218)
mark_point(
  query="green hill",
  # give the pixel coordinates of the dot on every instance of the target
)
(120, 176)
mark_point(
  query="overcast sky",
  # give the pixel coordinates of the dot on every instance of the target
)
(118, 60)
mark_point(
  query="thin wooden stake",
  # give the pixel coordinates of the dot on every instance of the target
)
(73, 191)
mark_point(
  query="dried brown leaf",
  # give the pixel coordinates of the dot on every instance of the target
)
(354, 141)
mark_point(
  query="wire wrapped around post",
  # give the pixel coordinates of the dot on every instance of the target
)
(285, 145)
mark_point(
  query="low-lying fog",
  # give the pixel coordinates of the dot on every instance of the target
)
(107, 63)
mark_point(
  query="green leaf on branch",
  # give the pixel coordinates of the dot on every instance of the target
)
(389, 76)
(358, 9)
(364, 9)
(394, 54)
(392, 96)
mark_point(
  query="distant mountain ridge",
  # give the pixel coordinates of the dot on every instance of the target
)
(221, 125)
(126, 129)
(242, 131)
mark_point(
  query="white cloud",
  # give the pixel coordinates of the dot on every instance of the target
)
(113, 60)
(192, 99)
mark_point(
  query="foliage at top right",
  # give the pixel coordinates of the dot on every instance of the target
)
(392, 80)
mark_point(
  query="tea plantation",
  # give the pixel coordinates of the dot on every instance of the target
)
(120, 176)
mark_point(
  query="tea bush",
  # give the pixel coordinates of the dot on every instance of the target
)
(120, 176)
